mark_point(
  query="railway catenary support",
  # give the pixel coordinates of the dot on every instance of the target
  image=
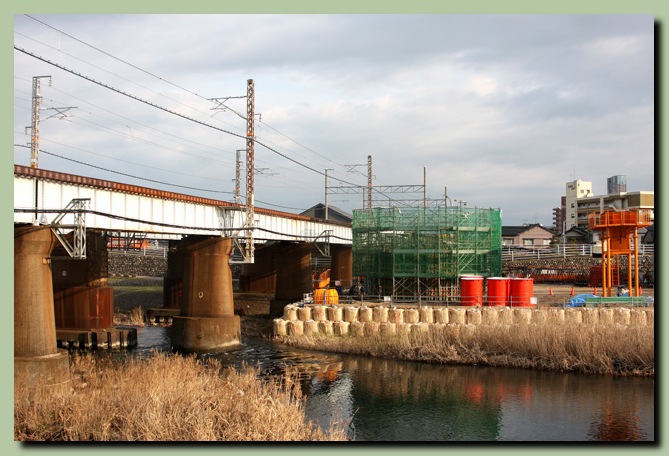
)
(36, 356)
(207, 322)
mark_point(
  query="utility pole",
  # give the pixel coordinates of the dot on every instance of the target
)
(326, 191)
(238, 175)
(425, 188)
(34, 126)
(34, 131)
(250, 141)
(369, 181)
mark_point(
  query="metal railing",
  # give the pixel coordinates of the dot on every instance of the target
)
(159, 252)
(522, 252)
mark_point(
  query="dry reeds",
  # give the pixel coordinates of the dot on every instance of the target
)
(164, 398)
(134, 317)
(612, 349)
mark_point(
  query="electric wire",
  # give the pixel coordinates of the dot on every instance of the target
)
(170, 83)
(178, 114)
(154, 180)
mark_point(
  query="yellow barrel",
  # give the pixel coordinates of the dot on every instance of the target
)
(319, 296)
(331, 296)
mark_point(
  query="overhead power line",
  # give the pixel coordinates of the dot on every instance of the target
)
(120, 173)
(170, 111)
(220, 101)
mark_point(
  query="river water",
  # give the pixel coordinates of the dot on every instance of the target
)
(387, 400)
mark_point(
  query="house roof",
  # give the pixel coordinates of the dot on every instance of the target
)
(513, 231)
(318, 211)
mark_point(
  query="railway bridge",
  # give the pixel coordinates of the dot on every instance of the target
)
(64, 223)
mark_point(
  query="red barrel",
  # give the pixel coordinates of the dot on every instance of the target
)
(498, 291)
(471, 291)
(521, 290)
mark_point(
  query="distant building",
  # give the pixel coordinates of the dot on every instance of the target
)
(334, 213)
(616, 184)
(579, 201)
(533, 235)
(575, 190)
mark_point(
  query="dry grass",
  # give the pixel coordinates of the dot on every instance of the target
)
(580, 348)
(134, 317)
(164, 398)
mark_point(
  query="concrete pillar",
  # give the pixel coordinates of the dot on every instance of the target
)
(293, 275)
(207, 322)
(341, 267)
(36, 357)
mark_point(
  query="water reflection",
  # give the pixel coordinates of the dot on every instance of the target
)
(386, 400)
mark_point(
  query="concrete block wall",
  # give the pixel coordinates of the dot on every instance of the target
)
(370, 320)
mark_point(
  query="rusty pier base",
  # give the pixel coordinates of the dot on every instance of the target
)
(207, 322)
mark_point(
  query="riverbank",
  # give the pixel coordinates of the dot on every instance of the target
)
(609, 350)
(166, 398)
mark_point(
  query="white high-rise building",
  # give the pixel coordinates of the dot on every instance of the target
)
(574, 190)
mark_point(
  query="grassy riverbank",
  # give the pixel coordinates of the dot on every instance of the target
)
(612, 350)
(164, 398)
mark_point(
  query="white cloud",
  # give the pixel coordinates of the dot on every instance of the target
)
(501, 109)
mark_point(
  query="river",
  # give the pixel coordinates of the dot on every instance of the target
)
(386, 400)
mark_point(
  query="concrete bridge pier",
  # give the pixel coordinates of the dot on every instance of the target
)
(341, 268)
(207, 322)
(37, 359)
(293, 275)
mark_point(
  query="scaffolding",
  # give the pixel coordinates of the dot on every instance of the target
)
(419, 253)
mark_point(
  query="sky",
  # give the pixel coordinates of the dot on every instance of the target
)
(498, 110)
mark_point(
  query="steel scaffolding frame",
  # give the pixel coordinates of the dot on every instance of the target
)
(419, 253)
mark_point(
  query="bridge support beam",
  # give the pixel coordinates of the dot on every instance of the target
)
(174, 279)
(82, 298)
(293, 275)
(207, 322)
(260, 276)
(37, 359)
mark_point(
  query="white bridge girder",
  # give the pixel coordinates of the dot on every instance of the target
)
(159, 217)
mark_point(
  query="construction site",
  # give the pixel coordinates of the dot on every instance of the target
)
(415, 254)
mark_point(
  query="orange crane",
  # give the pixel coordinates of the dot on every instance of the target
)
(620, 237)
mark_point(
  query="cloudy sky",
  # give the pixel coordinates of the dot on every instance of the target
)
(502, 110)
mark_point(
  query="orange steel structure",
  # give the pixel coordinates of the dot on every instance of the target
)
(620, 237)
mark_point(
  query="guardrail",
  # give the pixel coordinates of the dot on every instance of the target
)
(159, 252)
(520, 252)
(509, 252)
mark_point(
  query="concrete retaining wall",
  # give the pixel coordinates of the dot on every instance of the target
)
(361, 321)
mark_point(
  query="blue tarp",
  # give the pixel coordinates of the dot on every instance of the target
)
(579, 300)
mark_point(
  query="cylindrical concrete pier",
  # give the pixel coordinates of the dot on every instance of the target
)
(207, 322)
(37, 359)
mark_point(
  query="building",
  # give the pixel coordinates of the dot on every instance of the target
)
(533, 235)
(334, 213)
(575, 190)
(579, 201)
(616, 184)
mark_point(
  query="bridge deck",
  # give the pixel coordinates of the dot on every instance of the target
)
(129, 208)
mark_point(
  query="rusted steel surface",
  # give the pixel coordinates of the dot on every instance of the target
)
(84, 308)
(20, 170)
